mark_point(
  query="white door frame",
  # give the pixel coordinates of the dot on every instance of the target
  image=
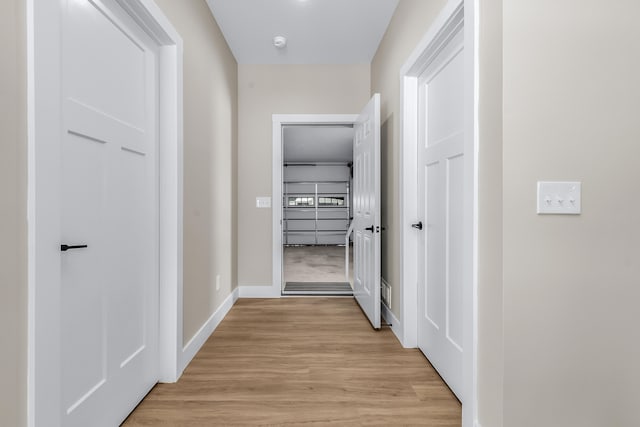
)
(43, 199)
(280, 120)
(453, 14)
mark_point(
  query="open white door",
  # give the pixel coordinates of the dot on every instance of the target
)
(366, 210)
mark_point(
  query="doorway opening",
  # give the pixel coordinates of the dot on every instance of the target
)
(365, 192)
(317, 178)
(292, 241)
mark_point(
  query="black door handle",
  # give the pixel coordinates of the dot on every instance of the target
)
(370, 228)
(417, 226)
(65, 248)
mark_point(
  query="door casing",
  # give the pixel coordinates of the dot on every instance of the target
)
(44, 78)
(455, 13)
(280, 120)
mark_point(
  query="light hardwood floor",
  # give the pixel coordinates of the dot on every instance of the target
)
(301, 361)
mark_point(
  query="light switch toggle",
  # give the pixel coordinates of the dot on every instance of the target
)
(559, 197)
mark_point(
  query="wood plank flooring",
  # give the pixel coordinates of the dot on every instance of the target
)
(301, 361)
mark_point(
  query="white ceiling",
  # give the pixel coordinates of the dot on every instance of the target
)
(317, 144)
(318, 31)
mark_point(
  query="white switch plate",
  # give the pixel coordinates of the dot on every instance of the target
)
(560, 198)
(263, 202)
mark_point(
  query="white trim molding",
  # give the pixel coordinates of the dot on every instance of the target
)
(197, 341)
(393, 322)
(280, 120)
(171, 124)
(257, 291)
(454, 14)
(44, 53)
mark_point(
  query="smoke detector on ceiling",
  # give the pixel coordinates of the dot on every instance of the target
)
(280, 42)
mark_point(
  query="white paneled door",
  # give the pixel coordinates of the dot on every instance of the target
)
(441, 192)
(109, 300)
(366, 210)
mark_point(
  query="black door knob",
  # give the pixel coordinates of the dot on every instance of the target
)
(370, 228)
(417, 226)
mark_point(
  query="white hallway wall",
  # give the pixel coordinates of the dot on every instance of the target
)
(490, 319)
(264, 90)
(571, 283)
(13, 214)
(210, 158)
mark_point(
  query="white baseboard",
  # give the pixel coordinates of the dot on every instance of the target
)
(257, 291)
(195, 344)
(391, 319)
